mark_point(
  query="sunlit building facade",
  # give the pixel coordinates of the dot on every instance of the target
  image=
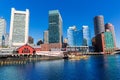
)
(75, 37)
(105, 42)
(46, 36)
(110, 27)
(86, 36)
(109, 42)
(19, 26)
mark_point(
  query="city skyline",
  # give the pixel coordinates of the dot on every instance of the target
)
(39, 16)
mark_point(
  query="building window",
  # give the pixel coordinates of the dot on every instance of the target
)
(26, 50)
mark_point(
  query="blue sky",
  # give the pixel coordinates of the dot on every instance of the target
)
(73, 12)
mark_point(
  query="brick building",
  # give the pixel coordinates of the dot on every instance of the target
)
(104, 42)
(48, 47)
(100, 44)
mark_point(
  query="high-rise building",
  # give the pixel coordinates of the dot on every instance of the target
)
(75, 37)
(86, 36)
(104, 42)
(55, 27)
(2, 29)
(46, 37)
(99, 24)
(70, 35)
(19, 26)
(109, 26)
(109, 42)
(99, 43)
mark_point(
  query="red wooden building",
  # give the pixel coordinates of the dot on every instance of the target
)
(26, 49)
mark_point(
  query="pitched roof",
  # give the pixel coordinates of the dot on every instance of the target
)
(25, 45)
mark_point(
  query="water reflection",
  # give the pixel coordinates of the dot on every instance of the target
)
(95, 68)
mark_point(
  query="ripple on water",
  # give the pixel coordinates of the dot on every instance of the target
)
(94, 68)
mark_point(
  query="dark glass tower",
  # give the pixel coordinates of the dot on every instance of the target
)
(99, 24)
(55, 27)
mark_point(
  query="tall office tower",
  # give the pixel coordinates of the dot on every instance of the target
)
(55, 27)
(109, 42)
(111, 28)
(86, 36)
(70, 35)
(99, 24)
(19, 26)
(46, 37)
(75, 37)
(2, 29)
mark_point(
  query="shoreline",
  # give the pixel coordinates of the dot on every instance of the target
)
(25, 60)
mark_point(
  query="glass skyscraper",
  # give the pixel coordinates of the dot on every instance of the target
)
(86, 36)
(70, 35)
(55, 27)
(109, 26)
(109, 41)
(19, 27)
(75, 37)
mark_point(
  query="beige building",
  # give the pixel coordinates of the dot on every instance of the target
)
(46, 35)
(19, 27)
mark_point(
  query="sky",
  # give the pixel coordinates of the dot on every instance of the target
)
(73, 12)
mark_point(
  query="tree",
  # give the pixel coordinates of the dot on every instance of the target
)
(39, 42)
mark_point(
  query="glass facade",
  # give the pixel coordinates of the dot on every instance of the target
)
(78, 37)
(19, 28)
(109, 26)
(70, 35)
(75, 37)
(109, 42)
(55, 27)
(86, 36)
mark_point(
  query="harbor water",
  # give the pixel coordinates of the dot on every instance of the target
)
(99, 67)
